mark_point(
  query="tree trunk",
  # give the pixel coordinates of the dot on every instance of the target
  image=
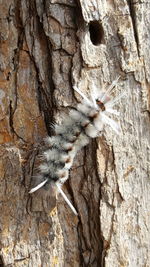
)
(46, 47)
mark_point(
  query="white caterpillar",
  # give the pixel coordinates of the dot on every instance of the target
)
(83, 123)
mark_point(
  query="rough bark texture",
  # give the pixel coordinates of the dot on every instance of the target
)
(47, 46)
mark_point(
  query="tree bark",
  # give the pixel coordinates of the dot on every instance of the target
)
(47, 47)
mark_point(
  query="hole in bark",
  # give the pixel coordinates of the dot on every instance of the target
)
(96, 32)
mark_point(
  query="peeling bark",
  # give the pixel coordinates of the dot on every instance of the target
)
(46, 47)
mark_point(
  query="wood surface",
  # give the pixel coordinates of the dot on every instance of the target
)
(47, 47)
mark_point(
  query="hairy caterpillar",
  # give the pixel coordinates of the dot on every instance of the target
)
(83, 123)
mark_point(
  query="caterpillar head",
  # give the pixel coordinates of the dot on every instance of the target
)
(100, 104)
(103, 103)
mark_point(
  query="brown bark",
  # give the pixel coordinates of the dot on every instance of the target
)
(46, 47)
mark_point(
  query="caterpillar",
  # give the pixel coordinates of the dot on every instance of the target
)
(82, 124)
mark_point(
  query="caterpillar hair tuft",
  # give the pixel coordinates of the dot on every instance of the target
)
(82, 124)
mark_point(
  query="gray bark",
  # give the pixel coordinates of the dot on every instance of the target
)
(46, 47)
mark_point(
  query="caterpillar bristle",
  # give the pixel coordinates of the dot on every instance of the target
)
(83, 96)
(115, 100)
(38, 186)
(82, 124)
(111, 123)
(66, 199)
(109, 89)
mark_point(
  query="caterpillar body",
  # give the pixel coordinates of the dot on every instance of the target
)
(83, 123)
